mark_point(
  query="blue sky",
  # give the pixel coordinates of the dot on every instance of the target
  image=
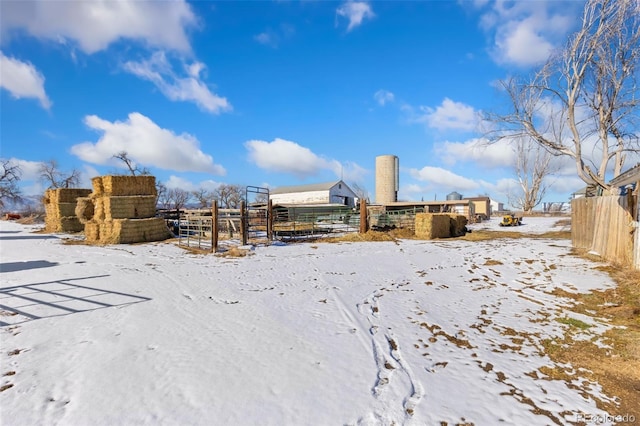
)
(272, 93)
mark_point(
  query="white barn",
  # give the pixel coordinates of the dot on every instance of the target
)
(316, 194)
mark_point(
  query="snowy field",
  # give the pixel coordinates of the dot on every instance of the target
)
(376, 333)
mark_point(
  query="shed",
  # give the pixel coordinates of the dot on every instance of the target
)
(336, 193)
(482, 206)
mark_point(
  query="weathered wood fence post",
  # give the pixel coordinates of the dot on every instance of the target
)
(243, 222)
(214, 226)
(270, 220)
(636, 223)
(364, 226)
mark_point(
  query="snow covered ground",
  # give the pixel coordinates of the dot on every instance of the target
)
(414, 332)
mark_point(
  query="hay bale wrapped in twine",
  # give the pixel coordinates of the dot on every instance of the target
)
(429, 226)
(124, 185)
(126, 207)
(126, 231)
(92, 231)
(60, 206)
(70, 224)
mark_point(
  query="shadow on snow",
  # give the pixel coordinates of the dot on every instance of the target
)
(27, 302)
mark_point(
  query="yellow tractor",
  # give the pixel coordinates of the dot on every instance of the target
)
(511, 220)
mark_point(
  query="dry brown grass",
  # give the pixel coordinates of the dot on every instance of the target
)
(357, 237)
(616, 369)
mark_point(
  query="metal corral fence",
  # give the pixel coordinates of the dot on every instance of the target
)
(304, 222)
(405, 219)
(607, 226)
(222, 228)
(195, 229)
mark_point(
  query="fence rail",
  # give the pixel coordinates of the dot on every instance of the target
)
(308, 222)
(207, 229)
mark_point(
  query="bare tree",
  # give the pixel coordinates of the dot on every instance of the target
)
(133, 168)
(53, 177)
(361, 192)
(229, 196)
(177, 198)
(583, 103)
(203, 197)
(161, 195)
(533, 167)
(10, 175)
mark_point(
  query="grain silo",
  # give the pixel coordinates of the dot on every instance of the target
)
(387, 179)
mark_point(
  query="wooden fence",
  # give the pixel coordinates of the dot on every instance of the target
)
(605, 225)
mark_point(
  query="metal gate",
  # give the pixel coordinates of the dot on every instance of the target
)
(256, 215)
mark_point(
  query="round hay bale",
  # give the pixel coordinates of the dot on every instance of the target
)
(84, 209)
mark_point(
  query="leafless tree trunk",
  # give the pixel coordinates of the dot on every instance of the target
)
(10, 175)
(178, 198)
(51, 175)
(203, 197)
(229, 196)
(533, 168)
(133, 168)
(162, 195)
(584, 102)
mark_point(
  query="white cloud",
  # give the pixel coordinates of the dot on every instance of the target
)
(146, 143)
(356, 12)
(22, 80)
(29, 170)
(284, 156)
(273, 38)
(177, 182)
(525, 33)
(383, 96)
(267, 38)
(479, 151)
(449, 115)
(444, 178)
(189, 87)
(94, 25)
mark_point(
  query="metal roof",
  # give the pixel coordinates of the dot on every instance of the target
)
(306, 188)
(630, 176)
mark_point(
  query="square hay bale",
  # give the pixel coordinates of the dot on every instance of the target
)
(125, 207)
(123, 185)
(64, 195)
(127, 231)
(92, 231)
(63, 224)
(59, 210)
(429, 226)
(70, 224)
(458, 224)
(52, 224)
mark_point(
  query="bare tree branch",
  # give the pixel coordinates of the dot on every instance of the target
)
(133, 168)
(583, 103)
(53, 177)
(10, 175)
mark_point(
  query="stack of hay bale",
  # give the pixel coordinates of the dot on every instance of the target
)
(60, 206)
(440, 225)
(121, 210)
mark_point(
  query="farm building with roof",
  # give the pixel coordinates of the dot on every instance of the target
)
(336, 193)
